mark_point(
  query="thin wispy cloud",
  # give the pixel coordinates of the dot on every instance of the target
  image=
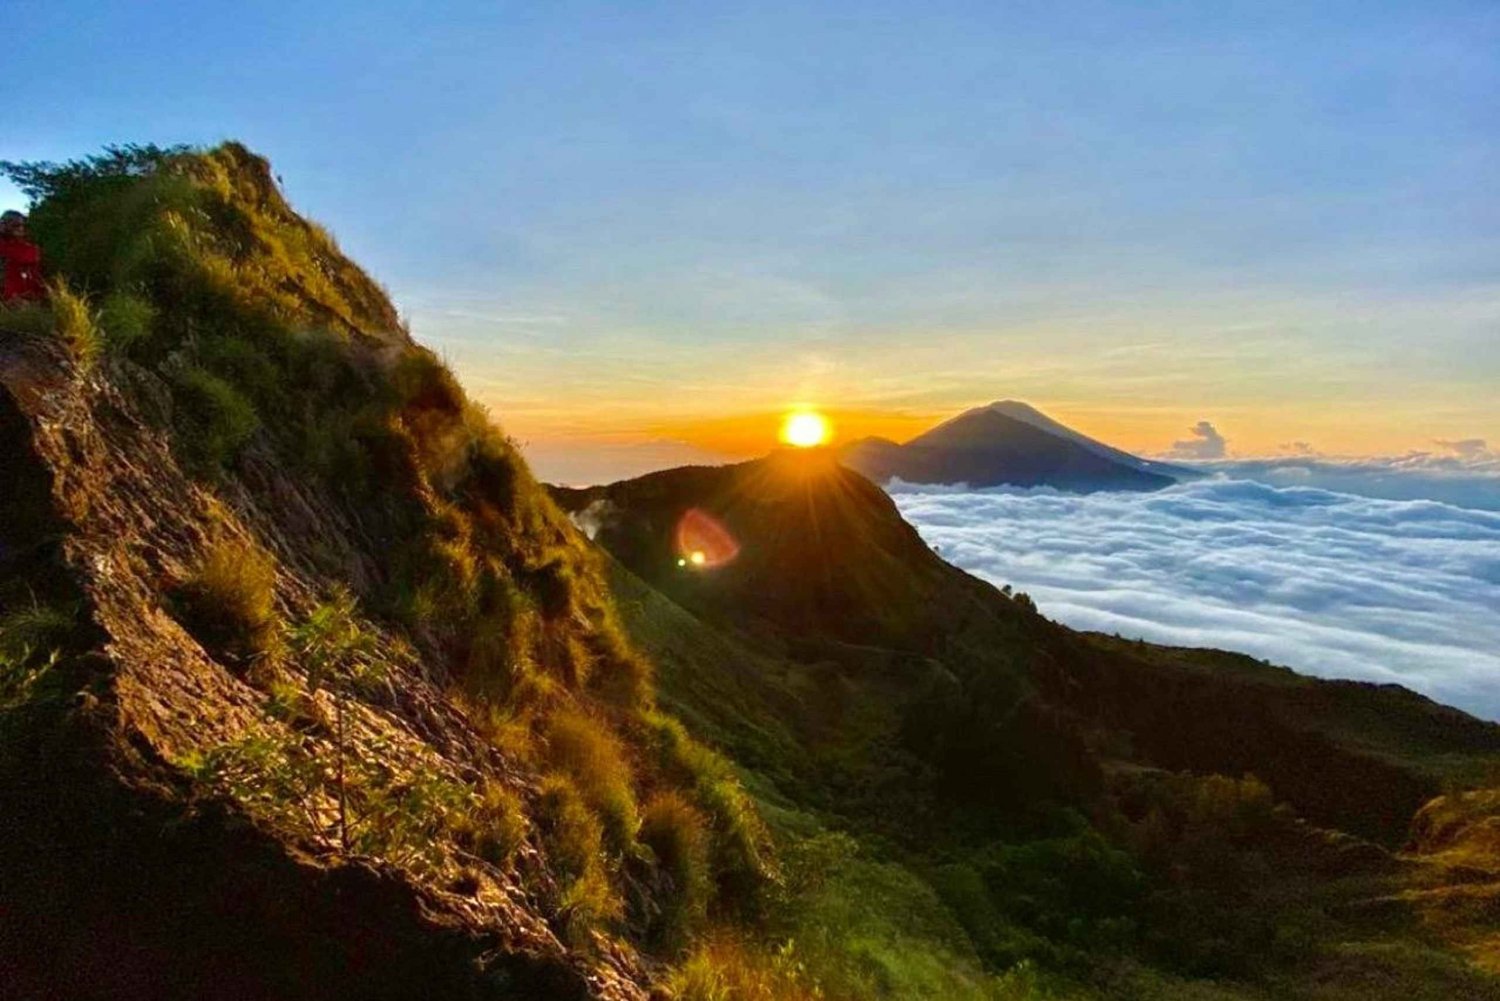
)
(1327, 583)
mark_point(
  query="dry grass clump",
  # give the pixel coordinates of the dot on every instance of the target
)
(574, 839)
(495, 828)
(75, 325)
(742, 845)
(586, 751)
(724, 969)
(677, 833)
(228, 602)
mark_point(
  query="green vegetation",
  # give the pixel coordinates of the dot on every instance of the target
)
(677, 834)
(284, 778)
(496, 827)
(32, 637)
(588, 753)
(575, 841)
(724, 969)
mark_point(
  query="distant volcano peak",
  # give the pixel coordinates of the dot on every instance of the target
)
(1009, 442)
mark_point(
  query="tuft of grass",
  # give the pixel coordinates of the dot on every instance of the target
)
(677, 833)
(575, 845)
(584, 749)
(31, 640)
(495, 827)
(74, 323)
(742, 846)
(726, 969)
(228, 603)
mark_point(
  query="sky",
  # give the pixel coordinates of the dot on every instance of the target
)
(1332, 584)
(640, 236)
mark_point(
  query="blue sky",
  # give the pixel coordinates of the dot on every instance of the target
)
(623, 228)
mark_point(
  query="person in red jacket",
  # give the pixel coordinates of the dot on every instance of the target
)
(21, 260)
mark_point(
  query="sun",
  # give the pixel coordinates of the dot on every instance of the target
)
(805, 429)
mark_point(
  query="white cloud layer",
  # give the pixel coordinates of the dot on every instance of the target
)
(1467, 474)
(1327, 583)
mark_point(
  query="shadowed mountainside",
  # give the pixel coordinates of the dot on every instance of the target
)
(904, 697)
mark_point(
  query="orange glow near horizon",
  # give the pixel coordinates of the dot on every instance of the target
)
(626, 445)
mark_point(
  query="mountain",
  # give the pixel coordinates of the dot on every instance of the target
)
(1008, 443)
(309, 690)
(863, 680)
(1031, 415)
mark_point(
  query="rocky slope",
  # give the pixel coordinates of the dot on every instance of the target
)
(308, 690)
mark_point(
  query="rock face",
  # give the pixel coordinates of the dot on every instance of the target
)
(122, 878)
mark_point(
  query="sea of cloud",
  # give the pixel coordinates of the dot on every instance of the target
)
(1326, 582)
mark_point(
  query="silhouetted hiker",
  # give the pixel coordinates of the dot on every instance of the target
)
(21, 260)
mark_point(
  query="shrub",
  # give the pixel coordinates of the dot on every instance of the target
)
(584, 749)
(213, 420)
(228, 602)
(678, 835)
(126, 319)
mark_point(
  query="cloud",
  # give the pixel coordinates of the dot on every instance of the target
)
(1468, 448)
(1205, 443)
(1327, 583)
(1467, 477)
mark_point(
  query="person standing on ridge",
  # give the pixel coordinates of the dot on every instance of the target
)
(21, 260)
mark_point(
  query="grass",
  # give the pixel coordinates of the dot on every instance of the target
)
(728, 969)
(228, 603)
(213, 419)
(587, 751)
(75, 324)
(496, 827)
(677, 834)
(574, 838)
(743, 863)
(32, 637)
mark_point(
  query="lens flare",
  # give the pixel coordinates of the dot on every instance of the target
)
(703, 542)
(805, 429)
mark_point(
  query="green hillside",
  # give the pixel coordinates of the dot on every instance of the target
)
(1135, 819)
